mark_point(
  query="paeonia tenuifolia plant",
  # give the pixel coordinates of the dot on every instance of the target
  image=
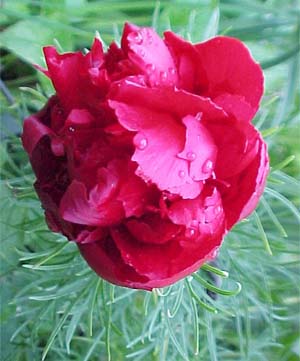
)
(146, 156)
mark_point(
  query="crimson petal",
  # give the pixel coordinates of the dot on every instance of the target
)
(240, 199)
(158, 141)
(77, 207)
(179, 103)
(143, 45)
(64, 70)
(228, 67)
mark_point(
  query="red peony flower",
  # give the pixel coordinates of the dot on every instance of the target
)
(146, 156)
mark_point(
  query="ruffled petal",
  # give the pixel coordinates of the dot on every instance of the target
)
(135, 195)
(152, 229)
(226, 66)
(185, 56)
(143, 45)
(78, 207)
(165, 263)
(237, 145)
(41, 124)
(179, 103)
(33, 131)
(158, 141)
(105, 259)
(90, 236)
(199, 150)
(236, 105)
(79, 117)
(95, 57)
(242, 195)
(64, 70)
(203, 217)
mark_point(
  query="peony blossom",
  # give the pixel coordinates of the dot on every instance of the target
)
(146, 156)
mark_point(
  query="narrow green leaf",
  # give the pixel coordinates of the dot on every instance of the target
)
(198, 300)
(57, 329)
(285, 201)
(262, 233)
(209, 268)
(284, 163)
(96, 340)
(171, 332)
(273, 217)
(215, 289)
(91, 309)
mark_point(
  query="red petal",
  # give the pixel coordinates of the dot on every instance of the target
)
(199, 149)
(104, 258)
(90, 236)
(202, 217)
(134, 195)
(33, 131)
(64, 72)
(237, 145)
(76, 207)
(241, 198)
(158, 141)
(79, 117)
(165, 263)
(152, 229)
(95, 57)
(185, 58)
(143, 45)
(236, 105)
(226, 66)
(179, 103)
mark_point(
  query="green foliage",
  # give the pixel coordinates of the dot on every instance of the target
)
(243, 307)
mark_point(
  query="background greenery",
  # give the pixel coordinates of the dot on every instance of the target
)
(53, 306)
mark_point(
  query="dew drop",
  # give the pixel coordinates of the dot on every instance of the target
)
(150, 68)
(172, 71)
(198, 116)
(245, 146)
(207, 166)
(181, 173)
(135, 37)
(191, 156)
(71, 129)
(217, 210)
(141, 143)
(190, 232)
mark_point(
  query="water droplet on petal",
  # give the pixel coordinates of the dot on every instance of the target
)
(190, 232)
(181, 173)
(172, 71)
(150, 68)
(163, 76)
(245, 146)
(198, 116)
(191, 156)
(217, 210)
(207, 166)
(135, 37)
(142, 144)
(71, 129)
